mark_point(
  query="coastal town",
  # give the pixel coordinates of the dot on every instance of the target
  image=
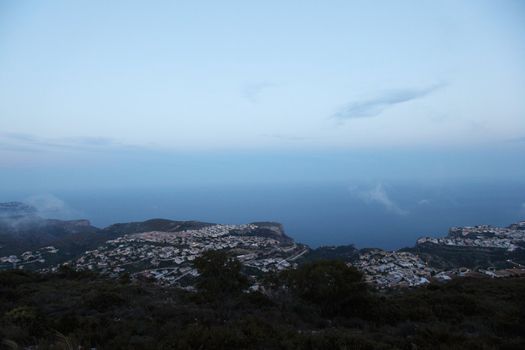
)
(396, 269)
(167, 257)
(485, 236)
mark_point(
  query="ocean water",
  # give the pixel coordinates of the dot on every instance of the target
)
(385, 215)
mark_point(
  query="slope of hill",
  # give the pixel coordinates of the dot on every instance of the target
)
(163, 225)
(22, 230)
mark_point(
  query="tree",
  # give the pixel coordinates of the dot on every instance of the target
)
(330, 284)
(219, 274)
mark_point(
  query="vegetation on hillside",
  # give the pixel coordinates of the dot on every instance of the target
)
(321, 305)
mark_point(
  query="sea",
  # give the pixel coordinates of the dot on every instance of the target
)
(385, 215)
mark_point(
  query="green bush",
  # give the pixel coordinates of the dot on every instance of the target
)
(219, 275)
(330, 284)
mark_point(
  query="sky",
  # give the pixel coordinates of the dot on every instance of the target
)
(135, 93)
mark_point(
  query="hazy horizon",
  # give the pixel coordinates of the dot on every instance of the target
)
(374, 98)
(383, 215)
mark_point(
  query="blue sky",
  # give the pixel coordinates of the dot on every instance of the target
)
(135, 92)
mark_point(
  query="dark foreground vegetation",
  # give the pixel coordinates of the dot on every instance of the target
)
(321, 305)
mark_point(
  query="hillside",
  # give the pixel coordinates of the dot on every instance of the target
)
(69, 310)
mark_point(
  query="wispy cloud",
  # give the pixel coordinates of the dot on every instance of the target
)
(374, 106)
(50, 206)
(45, 206)
(378, 195)
(17, 142)
(252, 91)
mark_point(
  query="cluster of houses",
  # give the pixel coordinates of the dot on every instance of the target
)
(386, 269)
(168, 276)
(482, 236)
(168, 256)
(389, 269)
(397, 269)
(269, 264)
(516, 271)
(26, 258)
